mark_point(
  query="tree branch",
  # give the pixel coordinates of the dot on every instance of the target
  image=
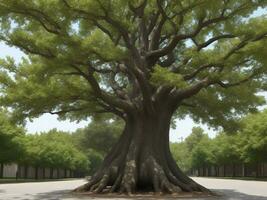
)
(48, 24)
(214, 39)
(99, 93)
(201, 24)
(197, 71)
(227, 85)
(190, 91)
(243, 43)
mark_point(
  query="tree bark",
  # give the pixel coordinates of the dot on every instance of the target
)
(141, 161)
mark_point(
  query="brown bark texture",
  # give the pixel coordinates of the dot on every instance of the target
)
(141, 161)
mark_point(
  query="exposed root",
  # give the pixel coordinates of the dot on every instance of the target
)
(161, 183)
(82, 188)
(86, 187)
(128, 182)
(116, 185)
(101, 185)
(127, 178)
(124, 181)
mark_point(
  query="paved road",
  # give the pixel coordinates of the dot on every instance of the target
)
(227, 189)
(236, 189)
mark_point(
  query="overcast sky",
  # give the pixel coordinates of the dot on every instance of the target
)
(47, 121)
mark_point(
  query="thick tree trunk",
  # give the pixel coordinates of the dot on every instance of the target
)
(141, 161)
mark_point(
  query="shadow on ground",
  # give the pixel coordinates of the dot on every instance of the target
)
(67, 195)
(234, 195)
(222, 194)
(56, 195)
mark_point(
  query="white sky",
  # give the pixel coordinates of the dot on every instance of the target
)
(48, 121)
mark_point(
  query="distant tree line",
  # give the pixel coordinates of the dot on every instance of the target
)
(248, 145)
(85, 149)
(81, 151)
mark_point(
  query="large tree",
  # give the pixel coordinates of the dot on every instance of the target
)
(144, 61)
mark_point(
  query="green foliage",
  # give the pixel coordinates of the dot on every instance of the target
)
(83, 150)
(181, 155)
(194, 151)
(253, 138)
(88, 57)
(53, 149)
(195, 138)
(96, 140)
(202, 154)
(100, 135)
(248, 145)
(10, 146)
(226, 149)
(95, 159)
(73, 48)
(162, 76)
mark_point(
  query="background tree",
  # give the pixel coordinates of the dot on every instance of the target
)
(53, 149)
(247, 146)
(226, 149)
(10, 146)
(97, 139)
(142, 61)
(99, 135)
(252, 141)
(183, 151)
(196, 136)
(182, 156)
(202, 154)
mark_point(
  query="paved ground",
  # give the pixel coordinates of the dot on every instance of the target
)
(227, 189)
(236, 189)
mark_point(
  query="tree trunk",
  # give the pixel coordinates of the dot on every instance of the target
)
(141, 161)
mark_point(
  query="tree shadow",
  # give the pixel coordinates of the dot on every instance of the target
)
(56, 195)
(227, 194)
(59, 195)
(222, 195)
(68, 195)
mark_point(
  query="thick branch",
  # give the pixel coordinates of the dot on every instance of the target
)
(201, 25)
(177, 38)
(243, 43)
(197, 71)
(190, 91)
(46, 22)
(64, 111)
(43, 53)
(214, 39)
(143, 83)
(99, 93)
(227, 85)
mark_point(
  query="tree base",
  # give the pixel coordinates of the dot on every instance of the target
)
(141, 162)
(156, 180)
(149, 195)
